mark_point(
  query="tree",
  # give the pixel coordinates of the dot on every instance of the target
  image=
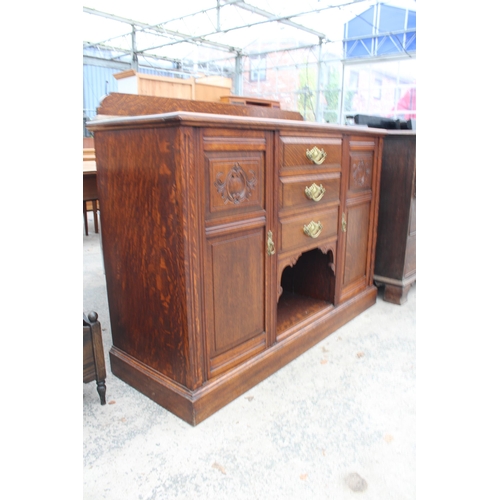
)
(307, 82)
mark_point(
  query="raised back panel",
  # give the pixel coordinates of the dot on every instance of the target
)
(118, 104)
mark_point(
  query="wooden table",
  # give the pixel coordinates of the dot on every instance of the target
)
(90, 192)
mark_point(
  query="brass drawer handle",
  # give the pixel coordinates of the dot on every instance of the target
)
(313, 229)
(316, 155)
(315, 192)
(270, 244)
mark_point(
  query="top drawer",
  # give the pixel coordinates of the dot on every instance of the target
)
(235, 174)
(310, 154)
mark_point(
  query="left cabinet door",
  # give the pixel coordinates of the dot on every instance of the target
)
(237, 203)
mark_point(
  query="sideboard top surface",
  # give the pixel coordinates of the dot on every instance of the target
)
(103, 122)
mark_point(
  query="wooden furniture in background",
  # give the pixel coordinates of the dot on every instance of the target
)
(89, 156)
(198, 89)
(395, 262)
(231, 244)
(210, 88)
(250, 101)
(94, 366)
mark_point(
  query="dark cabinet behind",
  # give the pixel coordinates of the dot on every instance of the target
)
(395, 262)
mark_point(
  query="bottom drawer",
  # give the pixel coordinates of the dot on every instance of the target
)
(308, 230)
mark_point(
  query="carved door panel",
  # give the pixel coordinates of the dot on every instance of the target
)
(357, 218)
(237, 266)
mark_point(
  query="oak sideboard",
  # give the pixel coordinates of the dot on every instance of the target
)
(233, 241)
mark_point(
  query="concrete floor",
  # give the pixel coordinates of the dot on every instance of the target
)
(339, 422)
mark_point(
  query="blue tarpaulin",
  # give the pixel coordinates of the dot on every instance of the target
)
(381, 30)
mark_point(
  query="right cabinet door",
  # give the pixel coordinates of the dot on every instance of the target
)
(359, 175)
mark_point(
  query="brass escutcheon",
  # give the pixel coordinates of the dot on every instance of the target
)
(313, 229)
(316, 155)
(315, 192)
(270, 243)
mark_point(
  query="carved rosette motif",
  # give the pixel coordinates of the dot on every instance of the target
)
(361, 174)
(237, 186)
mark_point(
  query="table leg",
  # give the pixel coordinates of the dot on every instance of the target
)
(85, 218)
(94, 210)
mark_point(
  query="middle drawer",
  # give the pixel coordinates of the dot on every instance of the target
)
(309, 191)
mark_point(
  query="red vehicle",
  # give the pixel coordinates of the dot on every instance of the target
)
(408, 102)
